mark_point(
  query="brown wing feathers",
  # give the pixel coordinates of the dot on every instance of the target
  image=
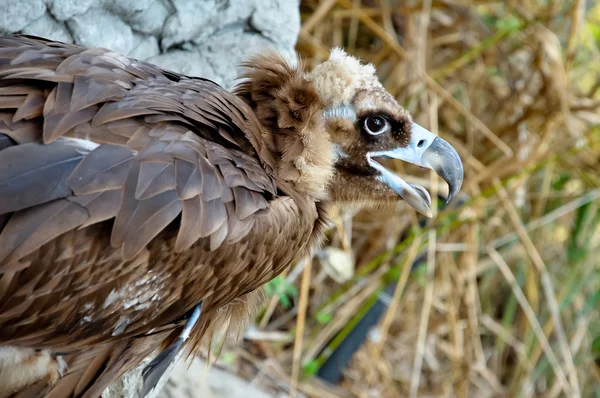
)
(111, 170)
(35, 173)
(174, 169)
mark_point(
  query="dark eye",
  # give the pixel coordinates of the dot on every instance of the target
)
(376, 125)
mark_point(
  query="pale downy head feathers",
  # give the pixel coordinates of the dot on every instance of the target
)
(338, 79)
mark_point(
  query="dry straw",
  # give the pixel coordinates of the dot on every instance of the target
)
(506, 301)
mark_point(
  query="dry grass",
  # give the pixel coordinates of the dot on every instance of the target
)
(506, 303)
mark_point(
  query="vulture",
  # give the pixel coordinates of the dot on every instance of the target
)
(141, 208)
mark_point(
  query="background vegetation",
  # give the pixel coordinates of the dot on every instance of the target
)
(505, 301)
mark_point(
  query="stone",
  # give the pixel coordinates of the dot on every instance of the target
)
(49, 28)
(242, 27)
(188, 20)
(129, 384)
(189, 378)
(17, 14)
(195, 379)
(152, 20)
(99, 28)
(190, 63)
(66, 9)
(234, 16)
(144, 48)
(234, 48)
(278, 20)
(218, 59)
(127, 9)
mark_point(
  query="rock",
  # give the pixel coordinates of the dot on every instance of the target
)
(50, 28)
(195, 380)
(242, 28)
(234, 16)
(145, 47)
(17, 14)
(218, 58)
(66, 9)
(189, 378)
(127, 9)
(235, 48)
(278, 20)
(188, 20)
(187, 62)
(128, 385)
(152, 20)
(99, 28)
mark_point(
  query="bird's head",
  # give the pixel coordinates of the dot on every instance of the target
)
(365, 125)
(332, 126)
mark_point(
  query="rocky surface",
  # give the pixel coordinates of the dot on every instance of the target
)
(205, 37)
(188, 380)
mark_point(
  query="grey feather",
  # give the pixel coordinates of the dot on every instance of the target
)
(156, 369)
(36, 173)
(5, 141)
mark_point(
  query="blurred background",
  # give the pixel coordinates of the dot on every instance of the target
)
(499, 294)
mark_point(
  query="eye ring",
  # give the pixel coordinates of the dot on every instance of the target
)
(376, 125)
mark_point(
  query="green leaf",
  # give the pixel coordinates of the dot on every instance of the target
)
(575, 251)
(228, 358)
(420, 274)
(510, 24)
(284, 289)
(596, 346)
(324, 317)
(311, 368)
(285, 301)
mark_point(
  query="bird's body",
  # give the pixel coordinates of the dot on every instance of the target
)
(129, 194)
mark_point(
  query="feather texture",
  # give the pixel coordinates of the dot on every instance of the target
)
(33, 173)
(128, 194)
(287, 103)
(156, 369)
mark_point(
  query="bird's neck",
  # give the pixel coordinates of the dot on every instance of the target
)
(289, 108)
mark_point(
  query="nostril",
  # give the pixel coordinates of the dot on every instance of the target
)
(420, 143)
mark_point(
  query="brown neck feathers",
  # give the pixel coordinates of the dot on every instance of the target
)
(287, 104)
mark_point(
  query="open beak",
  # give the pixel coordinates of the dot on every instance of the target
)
(427, 150)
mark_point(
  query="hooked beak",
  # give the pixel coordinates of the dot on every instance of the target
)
(427, 150)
